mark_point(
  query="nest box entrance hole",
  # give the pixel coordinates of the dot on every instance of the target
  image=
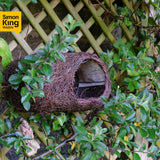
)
(89, 80)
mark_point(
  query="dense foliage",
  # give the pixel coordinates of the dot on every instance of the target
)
(35, 70)
(132, 111)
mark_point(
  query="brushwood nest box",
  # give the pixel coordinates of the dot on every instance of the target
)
(78, 83)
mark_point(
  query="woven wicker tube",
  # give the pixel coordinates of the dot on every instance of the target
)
(61, 94)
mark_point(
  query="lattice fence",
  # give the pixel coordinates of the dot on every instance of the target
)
(97, 34)
(39, 21)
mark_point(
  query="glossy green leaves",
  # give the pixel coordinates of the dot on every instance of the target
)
(35, 70)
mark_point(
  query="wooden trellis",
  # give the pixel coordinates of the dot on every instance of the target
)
(49, 9)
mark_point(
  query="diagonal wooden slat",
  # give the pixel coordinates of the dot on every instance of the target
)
(83, 27)
(33, 21)
(124, 27)
(54, 17)
(100, 21)
(52, 13)
(20, 40)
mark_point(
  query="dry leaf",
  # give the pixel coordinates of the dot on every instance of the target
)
(26, 130)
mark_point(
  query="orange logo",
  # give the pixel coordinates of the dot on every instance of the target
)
(10, 21)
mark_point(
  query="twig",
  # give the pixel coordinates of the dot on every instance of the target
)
(42, 155)
(64, 142)
(59, 146)
(136, 24)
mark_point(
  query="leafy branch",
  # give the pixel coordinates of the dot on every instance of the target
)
(126, 15)
(36, 69)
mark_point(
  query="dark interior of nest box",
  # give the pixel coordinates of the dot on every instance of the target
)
(89, 80)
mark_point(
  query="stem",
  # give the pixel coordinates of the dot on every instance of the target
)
(136, 24)
(59, 146)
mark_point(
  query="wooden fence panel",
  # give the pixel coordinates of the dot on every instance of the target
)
(86, 33)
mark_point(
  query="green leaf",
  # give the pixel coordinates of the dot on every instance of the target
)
(77, 24)
(40, 81)
(17, 144)
(87, 155)
(8, 124)
(27, 138)
(80, 121)
(37, 93)
(127, 21)
(62, 119)
(104, 99)
(33, 72)
(27, 79)
(4, 142)
(70, 18)
(59, 30)
(71, 49)
(27, 106)
(117, 153)
(47, 68)
(21, 66)
(118, 118)
(151, 133)
(46, 127)
(122, 133)
(30, 59)
(130, 116)
(131, 86)
(1, 126)
(116, 58)
(151, 21)
(127, 152)
(143, 114)
(61, 56)
(27, 149)
(33, 85)
(81, 130)
(101, 151)
(127, 105)
(24, 91)
(102, 145)
(94, 120)
(152, 155)
(62, 47)
(148, 59)
(5, 53)
(18, 134)
(143, 132)
(18, 150)
(34, 1)
(143, 147)
(94, 156)
(35, 118)
(26, 97)
(55, 39)
(66, 132)
(15, 79)
(42, 52)
(69, 39)
(136, 156)
(11, 140)
(81, 139)
(66, 25)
